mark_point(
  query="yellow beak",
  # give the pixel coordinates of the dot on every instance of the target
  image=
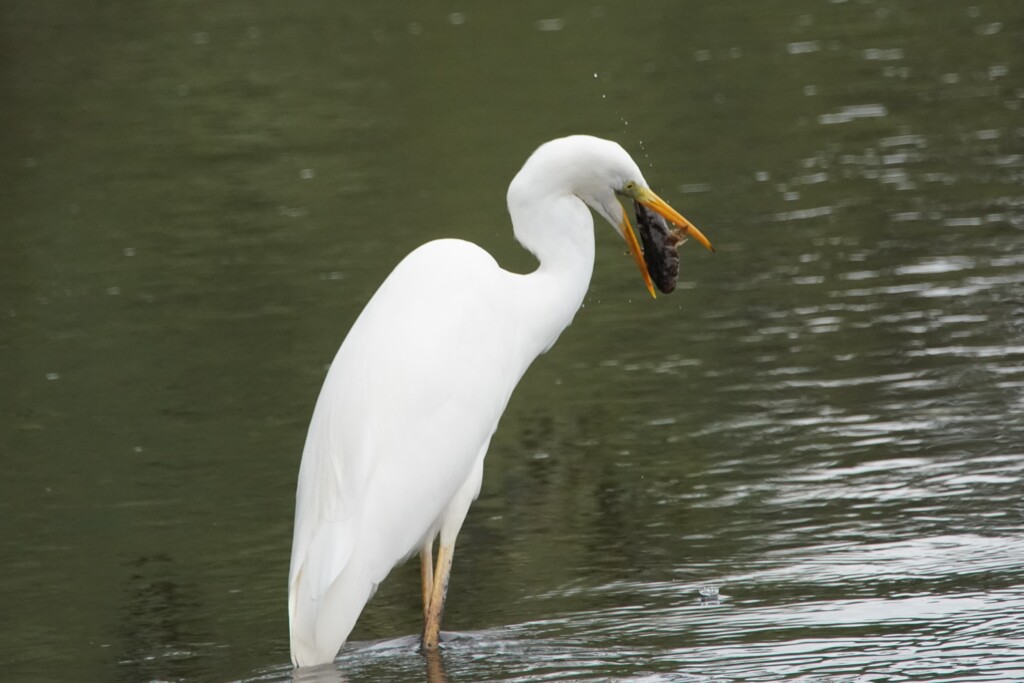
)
(661, 207)
(634, 248)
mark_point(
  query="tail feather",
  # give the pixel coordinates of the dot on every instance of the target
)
(318, 566)
(324, 624)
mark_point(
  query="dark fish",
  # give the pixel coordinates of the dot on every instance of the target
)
(660, 242)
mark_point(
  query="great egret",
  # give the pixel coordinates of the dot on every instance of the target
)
(395, 450)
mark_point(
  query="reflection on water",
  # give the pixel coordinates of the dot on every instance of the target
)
(823, 424)
(851, 612)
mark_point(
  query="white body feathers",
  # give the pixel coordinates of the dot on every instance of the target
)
(395, 448)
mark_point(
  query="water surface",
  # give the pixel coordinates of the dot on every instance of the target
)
(821, 426)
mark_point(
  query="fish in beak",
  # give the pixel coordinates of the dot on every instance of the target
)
(658, 260)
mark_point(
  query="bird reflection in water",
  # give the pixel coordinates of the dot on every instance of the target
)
(329, 673)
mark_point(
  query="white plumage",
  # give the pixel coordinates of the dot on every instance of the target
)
(395, 449)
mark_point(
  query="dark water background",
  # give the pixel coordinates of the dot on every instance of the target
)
(824, 423)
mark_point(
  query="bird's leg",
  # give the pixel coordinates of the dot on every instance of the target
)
(432, 622)
(427, 574)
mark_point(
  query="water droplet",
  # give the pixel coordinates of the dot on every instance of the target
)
(709, 595)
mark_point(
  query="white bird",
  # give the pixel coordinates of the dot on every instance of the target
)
(395, 451)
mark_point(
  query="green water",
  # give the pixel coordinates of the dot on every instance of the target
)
(824, 422)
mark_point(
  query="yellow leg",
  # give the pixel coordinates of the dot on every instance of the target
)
(427, 575)
(432, 622)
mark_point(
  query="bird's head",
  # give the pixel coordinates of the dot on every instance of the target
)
(599, 172)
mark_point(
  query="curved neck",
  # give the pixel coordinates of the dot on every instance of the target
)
(559, 230)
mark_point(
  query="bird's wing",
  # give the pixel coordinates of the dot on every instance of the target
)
(413, 395)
